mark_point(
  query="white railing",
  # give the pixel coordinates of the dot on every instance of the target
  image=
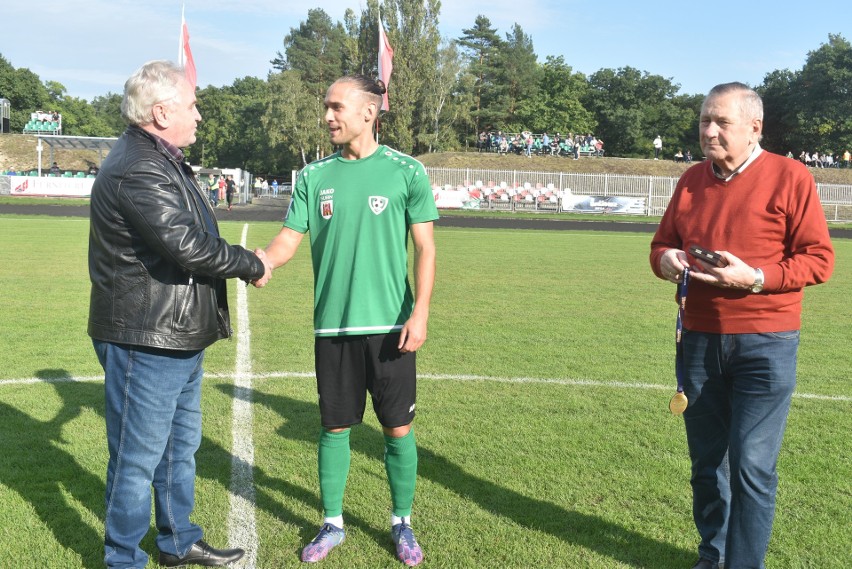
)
(836, 198)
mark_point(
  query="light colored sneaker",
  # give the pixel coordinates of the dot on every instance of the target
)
(407, 548)
(328, 538)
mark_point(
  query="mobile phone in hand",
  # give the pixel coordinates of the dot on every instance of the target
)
(707, 256)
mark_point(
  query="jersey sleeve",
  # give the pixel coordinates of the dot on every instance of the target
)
(297, 213)
(421, 202)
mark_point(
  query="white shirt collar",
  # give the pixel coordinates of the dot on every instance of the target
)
(752, 157)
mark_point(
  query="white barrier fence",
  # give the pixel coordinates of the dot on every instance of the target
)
(656, 191)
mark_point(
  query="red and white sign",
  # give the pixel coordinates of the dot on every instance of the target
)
(56, 187)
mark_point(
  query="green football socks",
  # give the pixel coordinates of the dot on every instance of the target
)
(333, 459)
(401, 466)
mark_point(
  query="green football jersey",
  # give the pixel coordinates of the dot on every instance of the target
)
(358, 213)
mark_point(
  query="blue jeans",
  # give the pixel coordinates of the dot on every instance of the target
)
(739, 388)
(153, 425)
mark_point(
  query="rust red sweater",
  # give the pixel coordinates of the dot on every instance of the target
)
(769, 216)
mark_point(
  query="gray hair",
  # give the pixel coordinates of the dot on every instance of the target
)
(155, 82)
(749, 102)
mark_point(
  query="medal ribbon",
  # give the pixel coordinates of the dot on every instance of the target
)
(682, 289)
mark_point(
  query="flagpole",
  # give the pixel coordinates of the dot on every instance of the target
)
(180, 35)
(379, 112)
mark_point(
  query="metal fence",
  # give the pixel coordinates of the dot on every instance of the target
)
(657, 190)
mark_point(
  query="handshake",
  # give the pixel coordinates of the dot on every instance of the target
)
(267, 274)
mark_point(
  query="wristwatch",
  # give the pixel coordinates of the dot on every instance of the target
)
(758, 281)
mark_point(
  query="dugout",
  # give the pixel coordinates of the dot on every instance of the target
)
(102, 145)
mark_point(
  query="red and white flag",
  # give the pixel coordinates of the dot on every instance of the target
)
(185, 54)
(385, 62)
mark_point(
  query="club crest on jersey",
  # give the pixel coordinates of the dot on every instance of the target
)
(326, 203)
(378, 204)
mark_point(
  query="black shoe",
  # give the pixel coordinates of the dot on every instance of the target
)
(202, 554)
(705, 564)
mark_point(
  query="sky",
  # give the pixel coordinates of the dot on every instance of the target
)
(91, 47)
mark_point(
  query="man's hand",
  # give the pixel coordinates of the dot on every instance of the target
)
(413, 334)
(261, 282)
(736, 274)
(672, 264)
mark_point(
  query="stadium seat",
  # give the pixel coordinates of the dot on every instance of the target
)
(67, 174)
(81, 174)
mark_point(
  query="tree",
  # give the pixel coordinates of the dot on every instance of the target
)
(25, 93)
(291, 119)
(413, 33)
(108, 110)
(824, 97)
(481, 46)
(780, 120)
(632, 107)
(557, 107)
(520, 75)
(447, 106)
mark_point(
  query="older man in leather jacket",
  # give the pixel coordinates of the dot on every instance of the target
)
(158, 267)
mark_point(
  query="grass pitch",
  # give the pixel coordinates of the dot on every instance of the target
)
(542, 423)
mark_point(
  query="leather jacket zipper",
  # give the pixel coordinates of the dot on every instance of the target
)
(186, 300)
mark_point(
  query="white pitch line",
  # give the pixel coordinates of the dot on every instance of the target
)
(242, 526)
(451, 377)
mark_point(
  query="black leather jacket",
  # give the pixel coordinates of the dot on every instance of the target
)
(156, 262)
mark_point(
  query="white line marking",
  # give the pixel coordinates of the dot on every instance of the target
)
(449, 377)
(242, 526)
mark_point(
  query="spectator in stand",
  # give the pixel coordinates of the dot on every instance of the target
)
(576, 150)
(846, 159)
(93, 170)
(599, 149)
(678, 156)
(658, 147)
(528, 143)
(264, 186)
(275, 187)
(54, 169)
(258, 183)
(504, 145)
(688, 156)
(545, 144)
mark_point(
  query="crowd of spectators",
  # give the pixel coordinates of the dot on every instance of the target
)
(824, 160)
(528, 144)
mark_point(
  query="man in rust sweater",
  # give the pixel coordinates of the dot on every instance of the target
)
(760, 212)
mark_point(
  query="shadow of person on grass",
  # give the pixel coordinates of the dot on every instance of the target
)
(588, 531)
(56, 485)
(305, 421)
(37, 468)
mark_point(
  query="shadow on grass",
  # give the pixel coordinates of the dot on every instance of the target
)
(591, 532)
(37, 468)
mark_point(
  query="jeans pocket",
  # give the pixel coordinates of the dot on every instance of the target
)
(786, 335)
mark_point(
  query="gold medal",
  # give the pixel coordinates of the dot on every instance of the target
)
(678, 403)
